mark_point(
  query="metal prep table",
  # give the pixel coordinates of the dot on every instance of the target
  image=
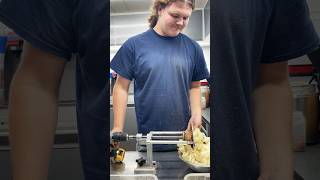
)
(169, 166)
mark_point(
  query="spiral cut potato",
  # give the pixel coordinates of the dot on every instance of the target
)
(200, 153)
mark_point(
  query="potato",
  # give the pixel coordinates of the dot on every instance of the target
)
(200, 153)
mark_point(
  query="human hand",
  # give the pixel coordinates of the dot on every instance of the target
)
(194, 122)
(116, 129)
(113, 143)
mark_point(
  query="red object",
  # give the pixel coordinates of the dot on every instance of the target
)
(13, 39)
(301, 69)
(204, 83)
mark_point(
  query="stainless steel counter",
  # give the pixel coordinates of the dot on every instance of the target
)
(169, 166)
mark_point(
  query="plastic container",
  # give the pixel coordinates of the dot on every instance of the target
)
(204, 96)
(306, 108)
(133, 177)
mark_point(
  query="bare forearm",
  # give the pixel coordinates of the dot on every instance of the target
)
(273, 130)
(32, 122)
(195, 105)
(120, 97)
(195, 120)
(33, 112)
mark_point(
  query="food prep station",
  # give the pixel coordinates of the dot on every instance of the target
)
(168, 164)
(124, 16)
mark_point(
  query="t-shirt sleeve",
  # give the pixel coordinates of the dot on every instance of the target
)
(200, 70)
(124, 60)
(45, 24)
(291, 33)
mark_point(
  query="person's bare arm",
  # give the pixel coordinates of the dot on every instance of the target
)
(33, 112)
(272, 108)
(120, 98)
(195, 106)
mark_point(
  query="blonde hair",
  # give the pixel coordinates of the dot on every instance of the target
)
(161, 4)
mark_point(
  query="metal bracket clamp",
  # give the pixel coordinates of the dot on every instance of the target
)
(150, 166)
(156, 137)
(149, 150)
(141, 140)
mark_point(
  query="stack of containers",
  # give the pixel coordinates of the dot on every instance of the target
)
(204, 89)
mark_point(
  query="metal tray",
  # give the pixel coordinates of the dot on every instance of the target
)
(134, 177)
(196, 167)
(197, 176)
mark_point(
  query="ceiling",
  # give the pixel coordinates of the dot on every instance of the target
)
(132, 6)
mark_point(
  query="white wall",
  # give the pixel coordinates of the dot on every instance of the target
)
(3, 29)
(314, 6)
(123, 26)
(206, 52)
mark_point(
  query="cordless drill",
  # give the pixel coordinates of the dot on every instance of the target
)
(117, 153)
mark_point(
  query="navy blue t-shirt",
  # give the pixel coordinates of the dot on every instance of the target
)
(163, 69)
(63, 28)
(245, 34)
